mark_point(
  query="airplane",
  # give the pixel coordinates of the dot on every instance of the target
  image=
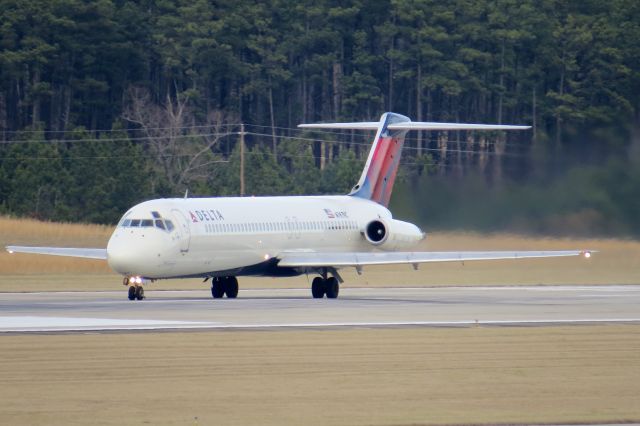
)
(222, 238)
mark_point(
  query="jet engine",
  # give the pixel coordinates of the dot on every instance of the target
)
(392, 235)
(376, 232)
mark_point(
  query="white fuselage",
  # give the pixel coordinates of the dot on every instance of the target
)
(243, 236)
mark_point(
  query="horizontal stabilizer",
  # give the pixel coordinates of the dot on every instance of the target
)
(314, 260)
(426, 125)
(86, 253)
(363, 125)
(413, 125)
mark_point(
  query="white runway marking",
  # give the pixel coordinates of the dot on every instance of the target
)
(35, 324)
(61, 324)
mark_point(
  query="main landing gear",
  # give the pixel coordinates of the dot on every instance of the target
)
(224, 285)
(321, 286)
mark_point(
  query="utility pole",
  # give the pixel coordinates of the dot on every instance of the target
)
(242, 160)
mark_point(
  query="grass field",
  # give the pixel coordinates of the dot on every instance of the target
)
(389, 376)
(333, 377)
(618, 262)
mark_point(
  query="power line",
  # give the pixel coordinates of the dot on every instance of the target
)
(203, 126)
(127, 139)
(226, 133)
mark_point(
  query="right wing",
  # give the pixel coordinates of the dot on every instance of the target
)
(357, 259)
(86, 253)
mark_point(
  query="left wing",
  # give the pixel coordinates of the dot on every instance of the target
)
(337, 259)
(86, 253)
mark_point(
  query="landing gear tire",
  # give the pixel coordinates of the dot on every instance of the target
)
(230, 285)
(318, 288)
(132, 293)
(332, 288)
(139, 293)
(217, 288)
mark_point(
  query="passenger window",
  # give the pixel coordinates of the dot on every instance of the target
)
(159, 224)
(169, 225)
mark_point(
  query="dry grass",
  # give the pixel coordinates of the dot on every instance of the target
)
(617, 263)
(30, 231)
(355, 377)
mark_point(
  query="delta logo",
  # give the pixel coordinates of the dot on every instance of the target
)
(205, 216)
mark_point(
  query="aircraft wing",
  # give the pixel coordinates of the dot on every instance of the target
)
(336, 259)
(87, 253)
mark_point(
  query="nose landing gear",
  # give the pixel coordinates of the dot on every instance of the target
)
(136, 291)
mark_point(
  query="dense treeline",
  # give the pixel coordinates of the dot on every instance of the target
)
(113, 101)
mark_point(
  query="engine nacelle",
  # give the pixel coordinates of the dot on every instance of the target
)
(376, 232)
(392, 234)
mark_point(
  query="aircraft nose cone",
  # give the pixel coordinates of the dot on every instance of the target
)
(122, 256)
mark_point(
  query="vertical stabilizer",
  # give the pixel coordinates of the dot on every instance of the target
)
(379, 174)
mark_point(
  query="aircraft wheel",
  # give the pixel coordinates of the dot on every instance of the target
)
(217, 288)
(139, 293)
(132, 293)
(231, 287)
(332, 288)
(318, 288)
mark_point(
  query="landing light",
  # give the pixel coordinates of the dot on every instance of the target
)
(587, 254)
(266, 257)
(135, 280)
(10, 251)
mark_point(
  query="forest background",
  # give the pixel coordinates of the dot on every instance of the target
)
(105, 103)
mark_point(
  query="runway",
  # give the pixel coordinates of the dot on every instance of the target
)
(291, 308)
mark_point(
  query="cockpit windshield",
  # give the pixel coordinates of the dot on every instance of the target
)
(157, 222)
